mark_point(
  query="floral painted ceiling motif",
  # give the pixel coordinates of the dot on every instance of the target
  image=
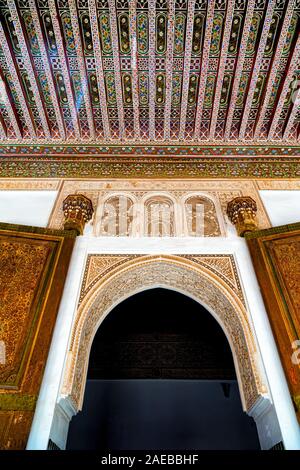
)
(141, 71)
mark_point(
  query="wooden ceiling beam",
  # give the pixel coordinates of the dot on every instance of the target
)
(10, 106)
(134, 68)
(222, 64)
(117, 69)
(186, 67)
(256, 67)
(47, 68)
(204, 67)
(152, 69)
(82, 67)
(25, 50)
(239, 67)
(99, 68)
(274, 68)
(10, 61)
(292, 117)
(294, 65)
(169, 68)
(3, 128)
(64, 66)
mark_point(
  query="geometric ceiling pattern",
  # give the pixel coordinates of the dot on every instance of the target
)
(141, 71)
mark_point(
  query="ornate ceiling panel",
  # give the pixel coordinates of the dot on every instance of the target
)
(138, 71)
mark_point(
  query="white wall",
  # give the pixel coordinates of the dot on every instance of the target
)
(283, 207)
(26, 207)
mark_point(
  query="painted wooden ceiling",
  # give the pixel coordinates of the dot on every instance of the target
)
(149, 70)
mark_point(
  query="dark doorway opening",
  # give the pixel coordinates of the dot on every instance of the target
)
(161, 376)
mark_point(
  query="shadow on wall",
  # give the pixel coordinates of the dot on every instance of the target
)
(161, 415)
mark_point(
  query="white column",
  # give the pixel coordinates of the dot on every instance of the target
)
(43, 417)
(63, 413)
(268, 429)
(288, 423)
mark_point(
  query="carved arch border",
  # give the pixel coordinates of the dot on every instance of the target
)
(182, 275)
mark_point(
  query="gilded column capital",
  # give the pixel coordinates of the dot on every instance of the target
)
(241, 212)
(78, 209)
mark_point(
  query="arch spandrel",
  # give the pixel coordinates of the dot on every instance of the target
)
(179, 274)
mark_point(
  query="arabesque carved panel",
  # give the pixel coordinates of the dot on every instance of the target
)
(33, 267)
(22, 265)
(276, 258)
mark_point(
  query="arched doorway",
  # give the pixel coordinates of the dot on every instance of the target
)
(161, 376)
(207, 279)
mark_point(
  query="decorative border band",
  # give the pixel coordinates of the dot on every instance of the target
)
(78, 148)
(38, 230)
(148, 167)
(273, 230)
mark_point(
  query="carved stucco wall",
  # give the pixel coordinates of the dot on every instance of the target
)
(211, 280)
(219, 192)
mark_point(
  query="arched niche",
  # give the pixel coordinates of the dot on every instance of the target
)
(186, 277)
(162, 343)
(117, 216)
(142, 368)
(159, 217)
(201, 217)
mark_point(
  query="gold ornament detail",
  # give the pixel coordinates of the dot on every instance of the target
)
(242, 213)
(78, 210)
